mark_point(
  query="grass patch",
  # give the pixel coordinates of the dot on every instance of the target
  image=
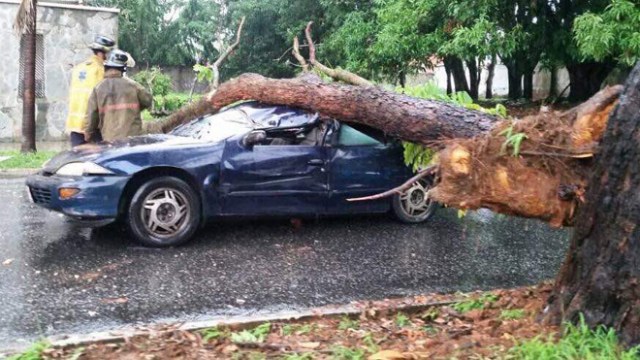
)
(514, 314)
(346, 353)
(577, 342)
(19, 160)
(347, 323)
(254, 336)
(298, 329)
(34, 352)
(474, 304)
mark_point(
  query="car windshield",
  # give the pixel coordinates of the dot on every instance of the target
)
(216, 127)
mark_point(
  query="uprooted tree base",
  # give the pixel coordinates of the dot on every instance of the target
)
(479, 163)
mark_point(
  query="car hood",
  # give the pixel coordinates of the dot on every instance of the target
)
(95, 152)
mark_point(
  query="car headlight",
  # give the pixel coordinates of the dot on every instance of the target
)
(82, 168)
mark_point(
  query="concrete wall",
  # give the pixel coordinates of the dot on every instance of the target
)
(66, 30)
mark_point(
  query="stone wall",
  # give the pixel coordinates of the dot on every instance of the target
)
(67, 30)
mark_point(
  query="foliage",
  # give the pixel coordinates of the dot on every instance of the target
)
(300, 356)
(34, 352)
(255, 335)
(347, 323)
(212, 333)
(512, 140)
(402, 320)
(577, 342)
(474, 304)
(613, 33)
(298, 329)
(172, 101)
(20, 160)
(168, 32)
(203, 73)
(345, 353)
(154, 81)
(513, 314)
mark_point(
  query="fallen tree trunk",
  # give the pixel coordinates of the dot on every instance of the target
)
(479, 166)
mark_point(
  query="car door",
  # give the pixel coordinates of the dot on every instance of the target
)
(274, 179)
(362, 164)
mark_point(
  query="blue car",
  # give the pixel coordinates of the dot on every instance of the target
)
(250, 159)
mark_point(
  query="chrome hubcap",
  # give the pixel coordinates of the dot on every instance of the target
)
(165, 212)
(415, 201)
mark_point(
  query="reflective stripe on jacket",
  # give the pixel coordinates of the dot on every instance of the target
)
(84, 77)
(114, 107)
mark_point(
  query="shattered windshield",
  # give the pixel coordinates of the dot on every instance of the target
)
(216, 127)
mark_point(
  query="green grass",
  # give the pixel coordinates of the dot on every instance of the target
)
(474, 304)
(514, 314)
(254, 336)
(19, 160)
(298, 329)
(32, 353)
(577, 342)
(346, 323)
(345, 353)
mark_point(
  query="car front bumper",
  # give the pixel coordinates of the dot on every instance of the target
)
(97, 202)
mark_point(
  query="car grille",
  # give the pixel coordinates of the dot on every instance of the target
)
(40, 195)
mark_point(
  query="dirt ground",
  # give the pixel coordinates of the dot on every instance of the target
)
(463, 326)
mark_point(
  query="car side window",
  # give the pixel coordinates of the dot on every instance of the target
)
(349, 136)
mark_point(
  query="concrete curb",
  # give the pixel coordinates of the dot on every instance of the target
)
(16, 173)
(77, 340)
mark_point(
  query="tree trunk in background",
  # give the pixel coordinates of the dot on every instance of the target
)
(447, 70)
(489, 85)
(586, 78)
(553, 83)
(600, 277)
(459, 75)
(29, 94)
(474, 78)
(515, 79)
(527, 89)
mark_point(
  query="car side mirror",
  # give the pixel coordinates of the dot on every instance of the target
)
(254, 137)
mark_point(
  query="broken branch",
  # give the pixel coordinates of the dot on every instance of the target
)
(402, 188)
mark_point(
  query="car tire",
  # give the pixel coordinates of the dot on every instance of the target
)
(413, 206)
(164, 212)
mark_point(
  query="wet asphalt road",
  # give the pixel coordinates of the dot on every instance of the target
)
(67, 279)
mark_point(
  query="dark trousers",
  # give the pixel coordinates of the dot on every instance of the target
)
(76, 138)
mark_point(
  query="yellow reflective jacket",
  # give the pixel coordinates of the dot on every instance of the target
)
(85, 76)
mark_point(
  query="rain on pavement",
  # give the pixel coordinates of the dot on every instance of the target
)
(59, 278)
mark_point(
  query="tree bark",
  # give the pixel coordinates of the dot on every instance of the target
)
(586, 78)
(29, 94)
(527, 88)
(600, 277)
(458, 73)
(411, 119)
(515, 80)
(474, 78)
(447, 70)
(491, 72)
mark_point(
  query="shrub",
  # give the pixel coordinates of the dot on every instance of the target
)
(154, 81)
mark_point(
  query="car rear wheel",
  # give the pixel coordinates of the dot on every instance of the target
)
(413, 206)
(164, 212)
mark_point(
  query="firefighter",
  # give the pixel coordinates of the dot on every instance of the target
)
(116, 103)
(85, 76)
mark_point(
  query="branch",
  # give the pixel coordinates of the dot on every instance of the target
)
(216, 65)
(336, 74)
(296, 54)
(400, 189)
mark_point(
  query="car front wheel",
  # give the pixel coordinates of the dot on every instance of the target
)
(414, 206)
(164, 212)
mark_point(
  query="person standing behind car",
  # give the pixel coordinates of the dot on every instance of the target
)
(116, 103)
(84, 77)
